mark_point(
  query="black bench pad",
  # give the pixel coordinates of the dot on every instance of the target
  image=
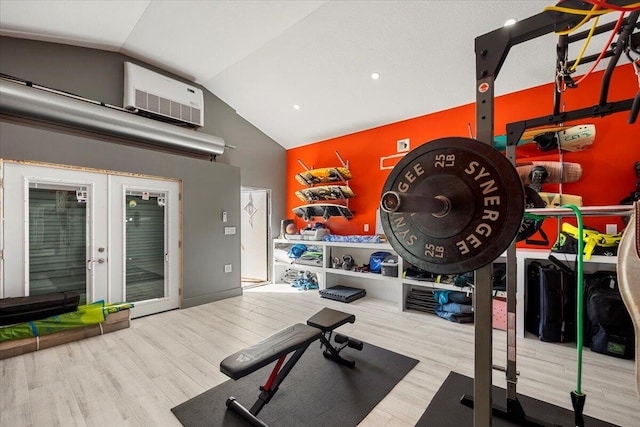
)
(281, 343)
(328, 319)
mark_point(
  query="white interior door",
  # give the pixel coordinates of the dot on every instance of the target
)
(109, 237)
(254, 234)
(144, 237)
(54, 236)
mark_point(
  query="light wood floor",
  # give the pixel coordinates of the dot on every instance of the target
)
(135, 376)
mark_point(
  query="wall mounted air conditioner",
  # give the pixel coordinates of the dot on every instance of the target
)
(157, 96)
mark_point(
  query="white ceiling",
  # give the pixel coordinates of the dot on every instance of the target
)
(262, 57)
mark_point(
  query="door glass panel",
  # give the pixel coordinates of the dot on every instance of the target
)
(145, 246)
(57, 240)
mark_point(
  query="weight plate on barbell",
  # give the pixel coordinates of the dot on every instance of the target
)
(484, 198)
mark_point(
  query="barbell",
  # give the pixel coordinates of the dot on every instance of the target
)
(452, 205)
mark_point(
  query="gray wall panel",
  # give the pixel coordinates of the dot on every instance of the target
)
(262, 161)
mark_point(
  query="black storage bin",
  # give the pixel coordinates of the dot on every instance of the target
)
(389, 267)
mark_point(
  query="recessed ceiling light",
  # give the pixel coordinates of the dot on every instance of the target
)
(375, 76)
(296, 107)
(510, 21)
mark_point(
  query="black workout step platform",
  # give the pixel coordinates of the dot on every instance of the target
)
(328, 319)
(342, 293)
(281, 343)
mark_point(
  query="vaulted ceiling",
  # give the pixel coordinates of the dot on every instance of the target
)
(264, 57)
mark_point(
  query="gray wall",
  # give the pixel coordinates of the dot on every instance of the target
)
(208, 187)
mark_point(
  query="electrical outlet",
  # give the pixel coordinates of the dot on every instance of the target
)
(403, 145)
(611, 229)
(228, 268)
(366, 227)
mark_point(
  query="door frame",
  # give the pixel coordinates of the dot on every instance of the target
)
(269, 234)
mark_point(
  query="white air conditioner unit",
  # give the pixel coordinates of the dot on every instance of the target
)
(158, 96)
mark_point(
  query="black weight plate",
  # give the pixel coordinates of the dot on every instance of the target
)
(487, 205)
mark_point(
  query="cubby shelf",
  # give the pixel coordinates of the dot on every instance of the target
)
(395, 288)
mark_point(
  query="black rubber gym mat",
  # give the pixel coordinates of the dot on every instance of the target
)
(446, 407)
(317, 392)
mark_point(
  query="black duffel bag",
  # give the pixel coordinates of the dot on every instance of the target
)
(609, 329)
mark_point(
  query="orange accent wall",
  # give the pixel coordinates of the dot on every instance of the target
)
(607, 178)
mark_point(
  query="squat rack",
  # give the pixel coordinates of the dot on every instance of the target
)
(491, 50)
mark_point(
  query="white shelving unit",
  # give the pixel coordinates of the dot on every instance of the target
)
(280, 267)
(396, 288)
(525, 256)
(389, 288)
(376, 285)
(594, 263)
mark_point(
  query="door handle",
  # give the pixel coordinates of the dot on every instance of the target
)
(99, 261)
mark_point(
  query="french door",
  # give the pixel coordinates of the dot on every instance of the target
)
(144, 238)
(109, 237)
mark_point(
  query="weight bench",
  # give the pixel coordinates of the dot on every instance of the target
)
(294, 339)
(327, 320)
